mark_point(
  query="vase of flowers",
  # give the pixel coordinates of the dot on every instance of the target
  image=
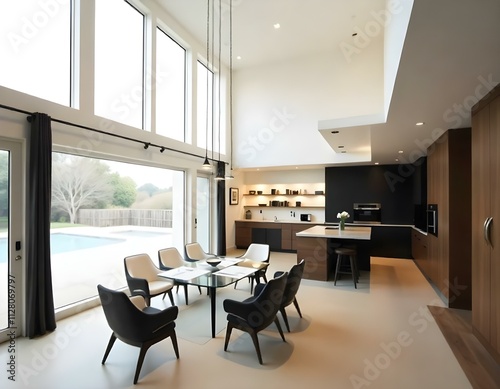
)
(342, 216)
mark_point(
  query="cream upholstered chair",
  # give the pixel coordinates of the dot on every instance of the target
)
(257, 257)
(142, 278)
(194, 252)
(170, 258)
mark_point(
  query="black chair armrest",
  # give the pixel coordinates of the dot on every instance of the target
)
(138, 286)
(156, 321)
(240, 308)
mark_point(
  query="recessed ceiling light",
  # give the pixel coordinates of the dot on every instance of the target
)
(343, 151)
(238, 57)
(376, 163)
(354, 34)
(276, 26)
(335, 132)
(397, 160)
(341, 147)
(400, 151)
(419, 124)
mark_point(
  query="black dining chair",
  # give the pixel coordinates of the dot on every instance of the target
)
(292, 287)
(249, 316)
(136, 324)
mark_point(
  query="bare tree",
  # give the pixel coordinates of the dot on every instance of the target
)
(79, 182)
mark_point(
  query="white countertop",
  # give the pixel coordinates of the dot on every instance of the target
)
(350, 232)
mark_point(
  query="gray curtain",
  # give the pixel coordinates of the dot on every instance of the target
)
(40, 300)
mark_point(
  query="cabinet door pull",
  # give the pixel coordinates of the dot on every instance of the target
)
(488, 236)
(485, 234)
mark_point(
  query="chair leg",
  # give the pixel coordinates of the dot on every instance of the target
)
(228, 335)
(337, 269)
(173, 337)
(199, 289)
(277, 322)
(186, 293)
(285, 318)
(142, 354)
(110, 346)
(353, 271)
(296, 303)
(255, 340)
(171, 297)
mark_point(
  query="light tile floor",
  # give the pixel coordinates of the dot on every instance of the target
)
(380, 335)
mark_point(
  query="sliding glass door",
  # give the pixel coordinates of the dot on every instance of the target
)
(11, 245)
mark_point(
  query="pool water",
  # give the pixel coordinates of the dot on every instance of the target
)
(62, 243)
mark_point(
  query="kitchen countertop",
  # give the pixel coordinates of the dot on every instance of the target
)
(350, 232)
(278, 221)
(333, 224)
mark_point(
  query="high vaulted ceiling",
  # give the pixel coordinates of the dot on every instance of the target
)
(450, 58)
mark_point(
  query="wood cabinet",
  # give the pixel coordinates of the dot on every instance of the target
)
(243, 236)
(280, 236)
(486, 213)
(419, 250)
(449, 186)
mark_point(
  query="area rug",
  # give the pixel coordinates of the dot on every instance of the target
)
(194, 321)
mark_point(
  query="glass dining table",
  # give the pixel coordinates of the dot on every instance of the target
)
(202, 274)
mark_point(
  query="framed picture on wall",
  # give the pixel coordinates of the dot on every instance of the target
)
(234, 195)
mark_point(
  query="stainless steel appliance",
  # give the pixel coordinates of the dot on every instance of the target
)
(432, 219)
(367, 213)
(305, 217)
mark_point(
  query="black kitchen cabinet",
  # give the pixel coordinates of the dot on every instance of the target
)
(391, 242)
(270, 236)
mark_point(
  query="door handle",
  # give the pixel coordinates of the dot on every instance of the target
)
(486, 232)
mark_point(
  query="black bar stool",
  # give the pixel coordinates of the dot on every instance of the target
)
(344, 253)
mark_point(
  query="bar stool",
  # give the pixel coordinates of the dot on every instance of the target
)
(351, 268)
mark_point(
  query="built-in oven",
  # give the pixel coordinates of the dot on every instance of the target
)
(367, 213)
(432, 219)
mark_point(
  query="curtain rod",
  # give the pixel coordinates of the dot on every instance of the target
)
(146, 144)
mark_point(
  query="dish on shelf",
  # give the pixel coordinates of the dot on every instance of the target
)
(252, 192)
(262, 205)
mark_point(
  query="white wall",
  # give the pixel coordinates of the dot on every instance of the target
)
(278, 107)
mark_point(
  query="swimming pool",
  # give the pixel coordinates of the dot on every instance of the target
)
(62, 243)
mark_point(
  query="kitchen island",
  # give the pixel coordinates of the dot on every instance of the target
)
(317, 246)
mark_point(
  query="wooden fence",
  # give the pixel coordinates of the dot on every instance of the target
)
(125, 217)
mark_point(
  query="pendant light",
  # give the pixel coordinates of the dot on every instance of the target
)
(206, 164)
(230, 132)
(220, 165)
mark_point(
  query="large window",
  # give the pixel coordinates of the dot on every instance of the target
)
(36, 48)
(119, 62)
(170, 87)
(204, 106)
(103, 211)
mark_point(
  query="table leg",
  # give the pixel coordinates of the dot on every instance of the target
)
(212, 308)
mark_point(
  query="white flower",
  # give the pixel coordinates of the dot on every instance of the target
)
(342, 215)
